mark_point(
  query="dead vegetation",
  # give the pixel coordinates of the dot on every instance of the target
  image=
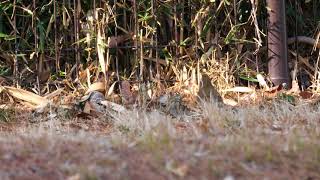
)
(155, 90)
(274, 140)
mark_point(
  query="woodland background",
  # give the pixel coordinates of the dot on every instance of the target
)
(159, 42)
(109, 90)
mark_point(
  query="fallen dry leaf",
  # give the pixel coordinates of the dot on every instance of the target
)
(97, 86)
(1, 89)
(230, 102)
(272, 92)
(87, 108)
(275, 89)
(54, 93)
(111, 89)
(262, 82)
(295, 88)
(27, 96)
(239, 89)
(306, 94)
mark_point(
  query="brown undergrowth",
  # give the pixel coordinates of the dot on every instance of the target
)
(274, 140)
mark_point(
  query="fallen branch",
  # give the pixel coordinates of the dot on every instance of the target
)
(300, 39)
(305, 40)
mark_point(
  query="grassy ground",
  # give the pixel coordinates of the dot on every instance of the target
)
(275, 140)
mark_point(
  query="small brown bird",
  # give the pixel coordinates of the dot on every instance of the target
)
(207, 91)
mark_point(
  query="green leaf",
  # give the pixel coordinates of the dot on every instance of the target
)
(185, 42)
(251, 79)
(6, 37)
(206, 27)
(62, 74)
(27, 10)
(287, 98)
(4, 71)
(42, 36)
(3, 35)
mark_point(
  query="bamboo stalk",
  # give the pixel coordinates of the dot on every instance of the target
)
(141, 57)
(56, 37)
(196, 44)
(142, 83)
(176, 26)
(75, 31)
(136, 28)
(34, 25)
(181, 27)
(77, 8)
(154, 10)
(15, 63)
(125, 23)
(117, 52)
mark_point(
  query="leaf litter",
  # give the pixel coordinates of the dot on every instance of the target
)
(178, 135)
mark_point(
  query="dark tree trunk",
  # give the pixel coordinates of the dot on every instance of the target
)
(277, 42)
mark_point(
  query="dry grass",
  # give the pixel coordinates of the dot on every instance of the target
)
(274, 140)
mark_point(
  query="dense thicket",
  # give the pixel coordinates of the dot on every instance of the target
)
(57, 40)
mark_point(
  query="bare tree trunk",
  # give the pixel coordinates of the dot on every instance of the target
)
(277, 43)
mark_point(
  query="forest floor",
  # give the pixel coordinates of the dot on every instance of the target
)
(271, 140)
